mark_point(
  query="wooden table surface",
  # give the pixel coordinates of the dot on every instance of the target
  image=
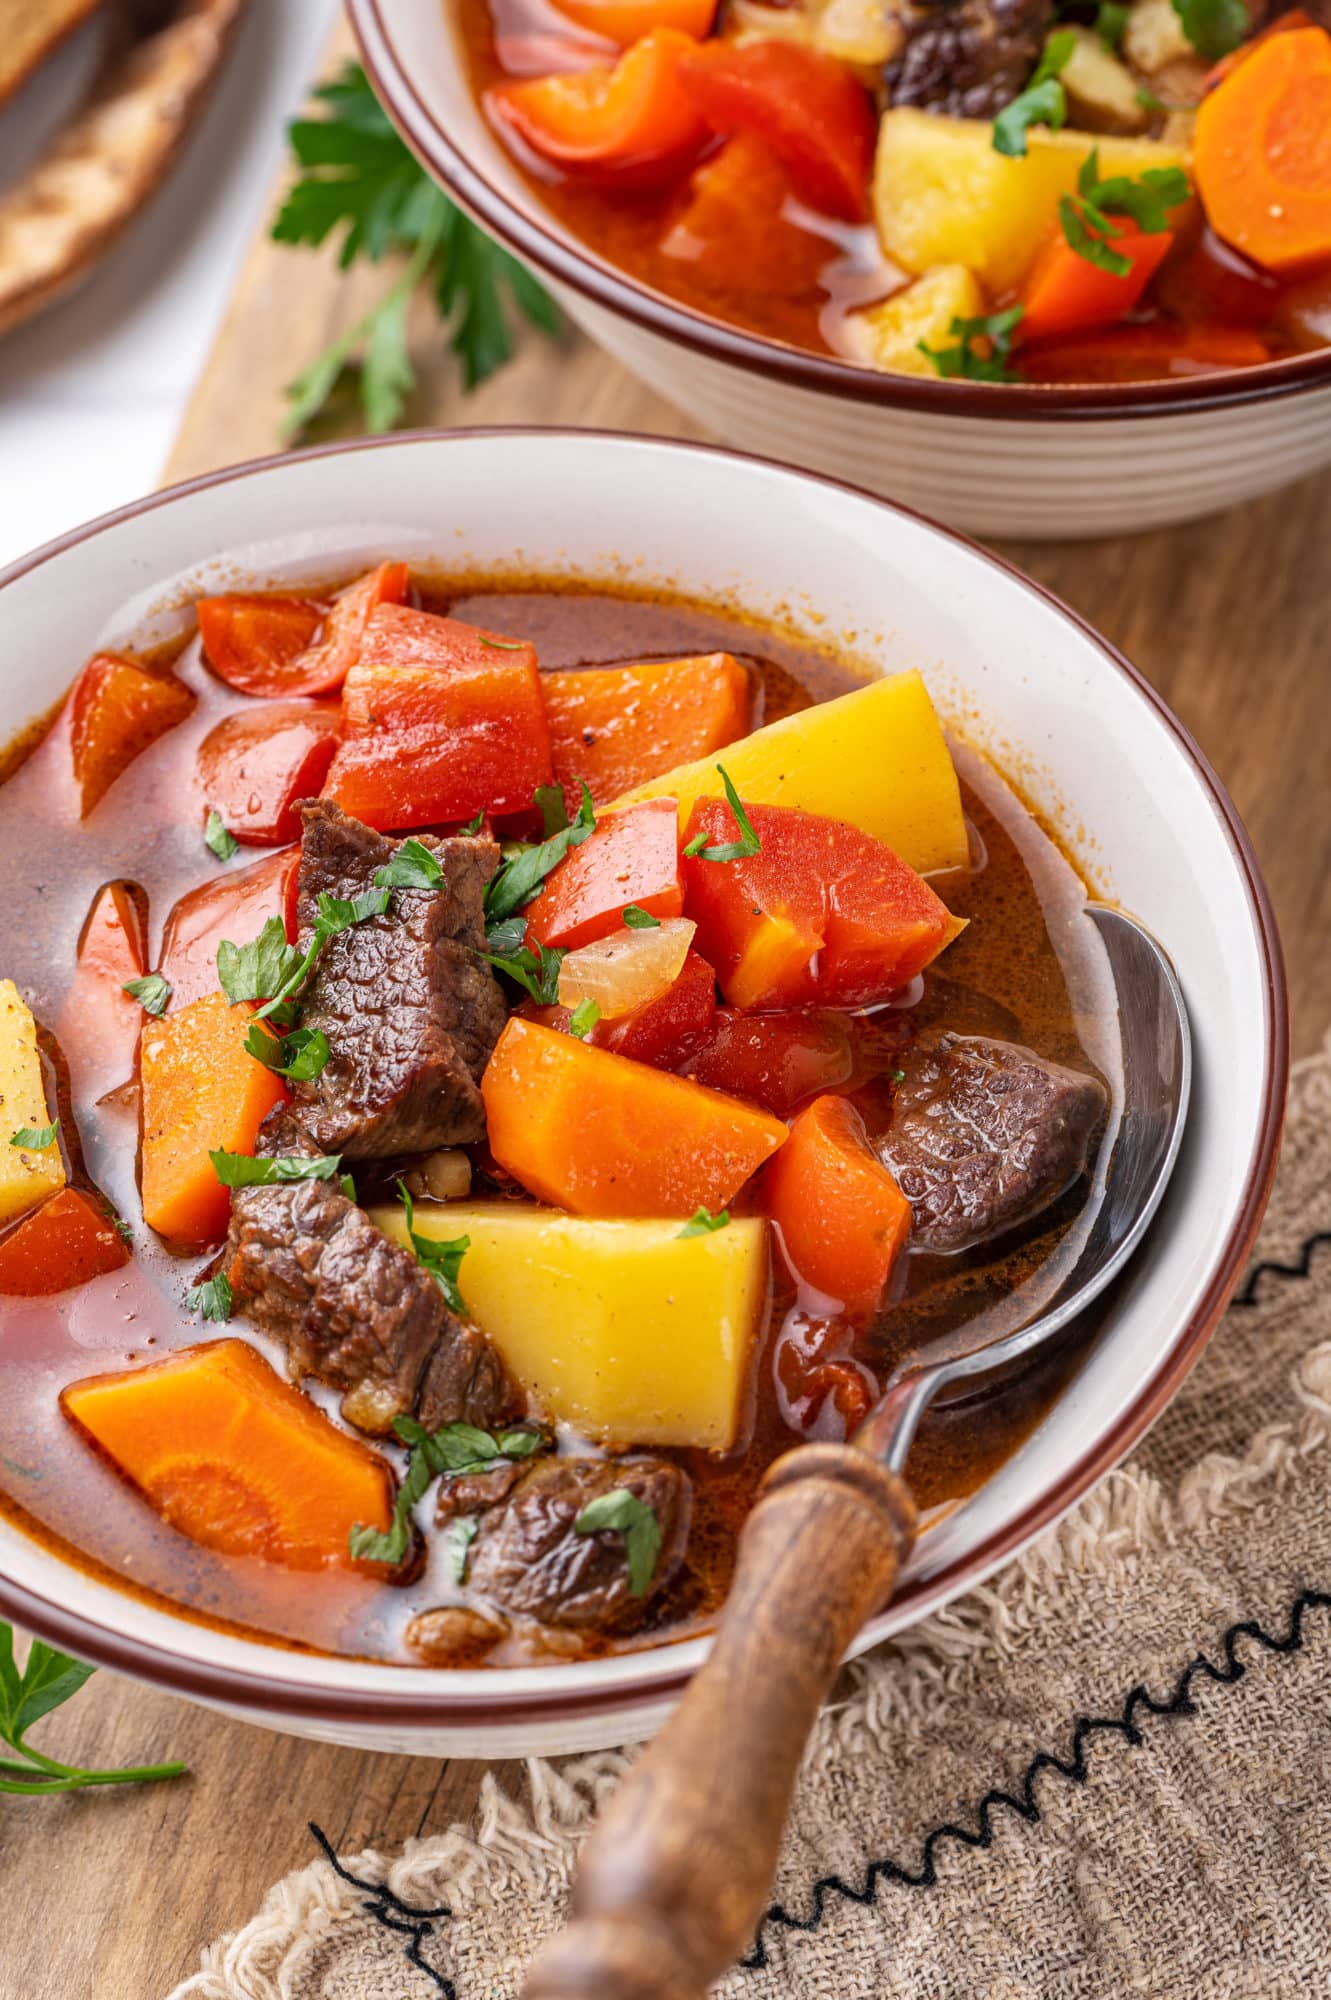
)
(111, 1895)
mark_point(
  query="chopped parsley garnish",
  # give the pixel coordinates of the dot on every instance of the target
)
(549, 802)
(35, 1138)
(271, 970)
(535, 968)
(212, 1299)
(622, 1513)
(1147, 200)
(639, 919)
(152, 993)
(462, 1532)
(299, 1056)
(241, 1170)
(222, 842)
(473, 826)
(1043, 102)
(703, 1223)
(583, 1019)
(1214, 27)
(47, 1680)
(412, 867)
(450, 1452)
(1111, 23)
(986, 363)
(520, 878)
(501, 645)
(441, 1257)
(358, 177)
(728, 850)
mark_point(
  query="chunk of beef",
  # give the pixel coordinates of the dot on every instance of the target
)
(352, 1309)
(967, 58)
(477, 1492)
(529, 1558)
(411, 1014)
(985, 1134)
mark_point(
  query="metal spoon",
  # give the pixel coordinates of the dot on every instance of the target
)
(672, 1882)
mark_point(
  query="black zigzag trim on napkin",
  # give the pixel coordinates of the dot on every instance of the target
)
(395, 1915)
(1247, 1296)
(1075, 1769)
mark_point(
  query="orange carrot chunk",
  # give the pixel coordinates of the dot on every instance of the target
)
(617, 727)
(65, 1242)
(602, 1135)
(1065, 293)
(202, 1091)
(1262, 152)
(843, 1219)
(234, 1457)
(115, 711)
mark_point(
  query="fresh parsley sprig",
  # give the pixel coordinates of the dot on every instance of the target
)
(358, 178)
(1214, 27)
(1043, 102)
(622, 1513)
(519, 879)
(727, 850)
(299, 1056)
(1111, 23)
(242, 1170)
(212, 1299)
(986, 362)
(440, 1256)
(446, 1453)
(639, 919)
(48, 1679)
(533, 967)
(412, 867)
(703, 1223)
(583, 1019)
(218, 837)
(271, 970)
(1087, 217)
(35, 1138)
(152, 993)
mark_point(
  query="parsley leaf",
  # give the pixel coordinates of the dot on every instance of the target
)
(49, 1679)
(965, 360)
(519, 879)
(441, 1257)
(461, 1534)
(583, 1019)
(359, 178)
(240, 1170)
(299, 1056)
(1148, 200)
(152, 993)
(639, 919)
(1214, 27)
(271, 970)
(446, 1453)
(473, 826)
(212, 1299)
(622, 1513)
(728, 850)
(412, 867)
(1111, 23)
(35, 1138)
(703, 1223)
(535, 968)
(1043, 102)
(216, 836)
(549, 801)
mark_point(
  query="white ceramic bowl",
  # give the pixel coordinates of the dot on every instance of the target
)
(1095, 749)
(992, 458)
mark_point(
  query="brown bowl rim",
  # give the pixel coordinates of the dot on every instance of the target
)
(243, 1688)
(561, 257)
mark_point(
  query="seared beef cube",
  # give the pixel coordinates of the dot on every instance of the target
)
(465, 1382)
(529, 1558)
(453, 1636)
(477, 1492)
(411, 1014)
(967, 58)
(985, 1134)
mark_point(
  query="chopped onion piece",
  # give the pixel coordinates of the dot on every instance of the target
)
(626, 969)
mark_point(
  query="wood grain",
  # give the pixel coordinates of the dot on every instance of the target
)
(111, 1896)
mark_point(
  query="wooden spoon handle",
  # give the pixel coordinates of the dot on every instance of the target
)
(672, 1881)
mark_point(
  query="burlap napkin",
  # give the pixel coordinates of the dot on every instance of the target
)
(1104, 1774)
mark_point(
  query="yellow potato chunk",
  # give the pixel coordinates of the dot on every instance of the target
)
(875, 758)
(628, 1331)
(27, 1174)
(889, 335)
(942, 195)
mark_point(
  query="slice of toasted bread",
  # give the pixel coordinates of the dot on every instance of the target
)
(29, 30)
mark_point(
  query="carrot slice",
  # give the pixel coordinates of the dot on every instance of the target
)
(1065, 293)
(843, 1219)
(234, 1457)
(67, 1241)
(115, 712)
(602, 1135)
(619, 727)
(1262, 152)
(202, 1091)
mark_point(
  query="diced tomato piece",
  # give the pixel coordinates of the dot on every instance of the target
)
(632, 857)
(251, 640)
(115, 711)
(443, 721)
(808, 108)
(635, 121)
(617, 727)
(236, 906)
(65, 1242)
(254, 766)
(822, 912)
(627, 21)
(99, 1027)
(843, 1219)
(732, 233)
(667, 1030)
(600, 1135)
(778, 1060)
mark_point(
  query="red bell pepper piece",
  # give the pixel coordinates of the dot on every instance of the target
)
(635, 121)
(632, 857)
(808, 108)
(65, 1242)
(236, 906)
(99, 1027)
(254, 766)
(1065, 293)
(442, 721)
(617, 727)
(733, 234)
(821, 913)
(843, 1219)
(667, 1030)
(115, 711)
(251, 639)
(778, 1060)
